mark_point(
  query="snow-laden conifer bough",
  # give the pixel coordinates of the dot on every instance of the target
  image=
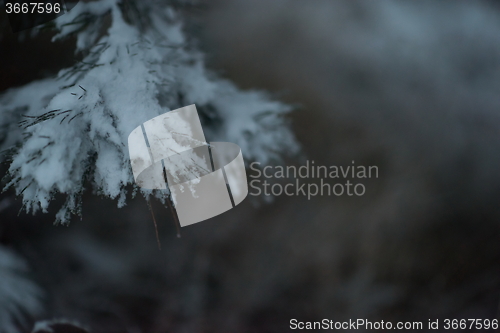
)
(61, 132)
(18, 294)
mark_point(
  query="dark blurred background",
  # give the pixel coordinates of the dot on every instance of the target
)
(412, 87)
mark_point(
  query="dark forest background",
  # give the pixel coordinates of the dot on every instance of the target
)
(412, 87)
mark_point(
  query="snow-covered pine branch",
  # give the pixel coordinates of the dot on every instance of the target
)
(74, 127)
(19, 296)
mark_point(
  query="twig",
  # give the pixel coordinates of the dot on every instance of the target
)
(156, 226)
